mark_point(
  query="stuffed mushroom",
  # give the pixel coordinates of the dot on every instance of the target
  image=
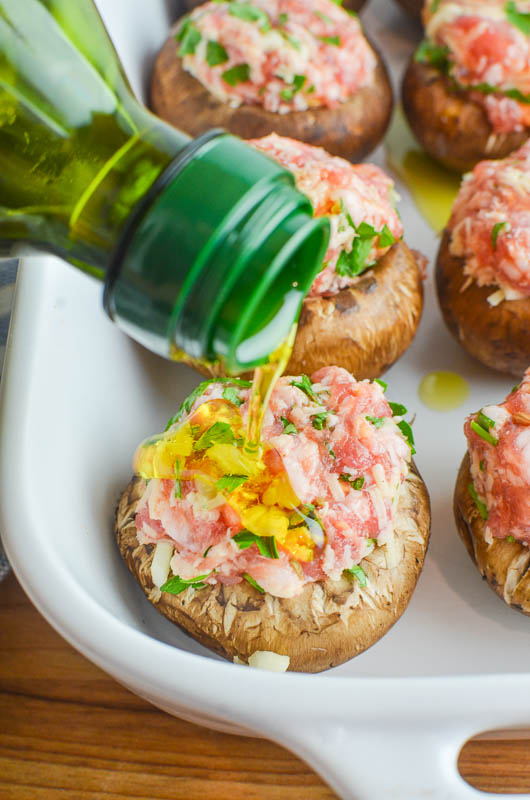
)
(310, 552)
(297, 69)
(483, 266)
(492, 495)
(466, 92)
(364, 306)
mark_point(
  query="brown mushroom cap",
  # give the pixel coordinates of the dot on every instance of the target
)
(364, 328)
(329, 623)
(448, 125)
(351, 130)
(504, 565)
(498, 336)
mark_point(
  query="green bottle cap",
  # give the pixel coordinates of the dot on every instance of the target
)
(218, 257)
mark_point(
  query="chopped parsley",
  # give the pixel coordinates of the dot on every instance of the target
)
(178, 485)
(329, 449)
(189, 37)
(215, 54)
(517, 18)
(382, 384)
(386, 237)
(406, 430)
(253, 583)
(229, 483)
(250, 13)
(232, 396)
(376, 421)
(497, 228)
(297, 84)
(318, 421)
(397, 409)
(265, 544)
(357, 572)
(305, 386)
(187, 404)
(484, 433)
(371, 542)
(355, 262)
(356, 483)
(324, 17)
(482, 509)
(238, 74)
(334, 40)
(176, 585)
(218, 433)
(484, 421)
(510, 539)
(433, 54)
(288, 426)
(482, 466)
(283, 18)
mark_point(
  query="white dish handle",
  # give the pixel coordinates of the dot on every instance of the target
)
(371, 761)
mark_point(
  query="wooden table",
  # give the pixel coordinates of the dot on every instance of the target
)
(69, 732)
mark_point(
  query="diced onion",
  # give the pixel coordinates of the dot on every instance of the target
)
(160, 563)
(266, 659)
(496, 298)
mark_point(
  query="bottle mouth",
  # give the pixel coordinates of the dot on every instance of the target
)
(218, 263)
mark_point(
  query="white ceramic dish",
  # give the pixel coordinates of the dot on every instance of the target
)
(77, 397)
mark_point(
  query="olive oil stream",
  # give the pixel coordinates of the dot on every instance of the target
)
(215, 450)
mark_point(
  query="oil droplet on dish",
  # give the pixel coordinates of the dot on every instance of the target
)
(443, 391)
(433, 187)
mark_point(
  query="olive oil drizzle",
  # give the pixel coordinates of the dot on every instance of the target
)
(265, 379)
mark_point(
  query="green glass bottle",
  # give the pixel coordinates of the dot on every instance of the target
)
(203, 245)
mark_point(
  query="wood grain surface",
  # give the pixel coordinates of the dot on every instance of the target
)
(69, 732)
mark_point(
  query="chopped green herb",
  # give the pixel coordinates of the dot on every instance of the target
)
(382, 384)
(397, 409)
(366, 231)
(482, 509)
(318, 421)
(482, 466)
(288, 426)
(250, 13)
(334, 40)
(215, 54)
(517, 18)
(330, 451)
(305, 385)
(510, 539)
(357, 572)
(338, 2)
(376, 421)
(356, 483)
(218, 433)
(187, 404)
(207, 551)
(354, 262)
(238, 74)
(484, 421)
(515, 388)
(297, 84)
(311, 89)
(436, 56)
(386, 237)
(497, 228)
(371, 542)
(253, 583)
(283, 18)
(292, 41)
(232, 396)
(189, 37)
(229, 483)
(434, 6)
(324, 17)
(176, 585)
(178, 485)
(406, 430)
(484, 434)
(265, 544)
